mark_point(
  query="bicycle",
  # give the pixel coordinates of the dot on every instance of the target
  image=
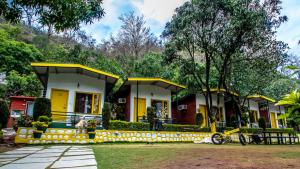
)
(221, 138)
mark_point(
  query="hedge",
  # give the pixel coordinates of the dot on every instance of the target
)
(130, 126)
(255, 130)
(138, 126)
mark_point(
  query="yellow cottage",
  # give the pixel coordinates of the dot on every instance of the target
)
(136, 94)
(75, 90)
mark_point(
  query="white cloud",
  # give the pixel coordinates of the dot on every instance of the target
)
(289, 31)
(156, 12)
(159, 10)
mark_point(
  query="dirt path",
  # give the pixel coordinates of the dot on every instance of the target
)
(235, 156)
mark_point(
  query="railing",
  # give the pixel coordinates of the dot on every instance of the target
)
(144, 119)
(72, 118)
(221, 124)
(254, 125)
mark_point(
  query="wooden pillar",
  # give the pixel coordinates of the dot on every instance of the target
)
(46, 83)
(268, 113)
(177, 112)
(137, 101)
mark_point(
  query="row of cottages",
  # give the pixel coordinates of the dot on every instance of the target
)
(258, 105)
(76, 90)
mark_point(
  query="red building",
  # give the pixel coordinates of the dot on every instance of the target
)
(20, 106)
(185, 112)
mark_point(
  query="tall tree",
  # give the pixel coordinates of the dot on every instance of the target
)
(133, 40)
(58, 14)
(221, 34)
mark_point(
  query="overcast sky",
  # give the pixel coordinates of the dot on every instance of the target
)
(158, 12)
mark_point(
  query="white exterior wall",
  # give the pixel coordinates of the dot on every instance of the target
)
(200, 100)
(254, 106)
(149, 92)
(67, 81)
(275, 109)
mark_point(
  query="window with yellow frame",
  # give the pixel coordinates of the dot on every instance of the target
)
(88, 103)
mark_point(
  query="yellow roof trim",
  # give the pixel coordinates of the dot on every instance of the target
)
(222, 90)
(155, 79)
(66, 65)
(261, 97)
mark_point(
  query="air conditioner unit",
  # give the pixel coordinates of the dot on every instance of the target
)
(182, 107)
(122, 100)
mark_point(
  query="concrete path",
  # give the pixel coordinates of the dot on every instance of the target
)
(56, 157)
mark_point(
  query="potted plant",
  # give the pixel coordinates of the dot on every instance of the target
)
(46, 120)
(91, 127)
(39, 127)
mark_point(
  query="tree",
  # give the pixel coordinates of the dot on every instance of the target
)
(42, 107)
(133, 40)
(291, 100)
(106, 115)
(4, 114)
(151, 117)
(60, 15)
(220, 34)
(22, 85)
(15, 55)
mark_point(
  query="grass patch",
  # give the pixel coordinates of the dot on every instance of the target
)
(133, 156)
(288, 155)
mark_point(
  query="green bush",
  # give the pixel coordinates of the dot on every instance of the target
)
(130, 126)
(4, 114)
(151, 117)
(179, 127)
(24, 121)
(199, 119)
(106, 115)
(262, 123)
(44, 119)
(41, 126)
(42, 107)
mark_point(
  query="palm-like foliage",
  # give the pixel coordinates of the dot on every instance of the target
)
(292, 100)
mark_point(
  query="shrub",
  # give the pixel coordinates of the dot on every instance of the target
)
(91, 125)
(106, 115)
(151, 117)
(23, 121)
(244, 119)
(39, 125)
(262, 123)
(4, 114)
(199, 119)
(44, 119)
(42, 107)
(130, 126)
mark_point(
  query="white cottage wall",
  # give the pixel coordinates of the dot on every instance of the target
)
(149, 92)
(200, 100)
(67, 81)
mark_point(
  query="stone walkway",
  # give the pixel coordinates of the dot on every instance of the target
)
(56, 157)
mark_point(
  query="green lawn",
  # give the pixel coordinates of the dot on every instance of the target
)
(132, 155)
(184, 155)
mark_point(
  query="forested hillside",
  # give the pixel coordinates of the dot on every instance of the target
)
(134, 51)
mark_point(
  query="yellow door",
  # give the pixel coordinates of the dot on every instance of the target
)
(59, 104)
(273, 117)
(141, 108)
(205, 116)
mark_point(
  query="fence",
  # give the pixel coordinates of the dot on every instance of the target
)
(72, 118)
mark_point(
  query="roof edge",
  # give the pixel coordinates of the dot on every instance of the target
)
(68, 65)
(155, 79)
